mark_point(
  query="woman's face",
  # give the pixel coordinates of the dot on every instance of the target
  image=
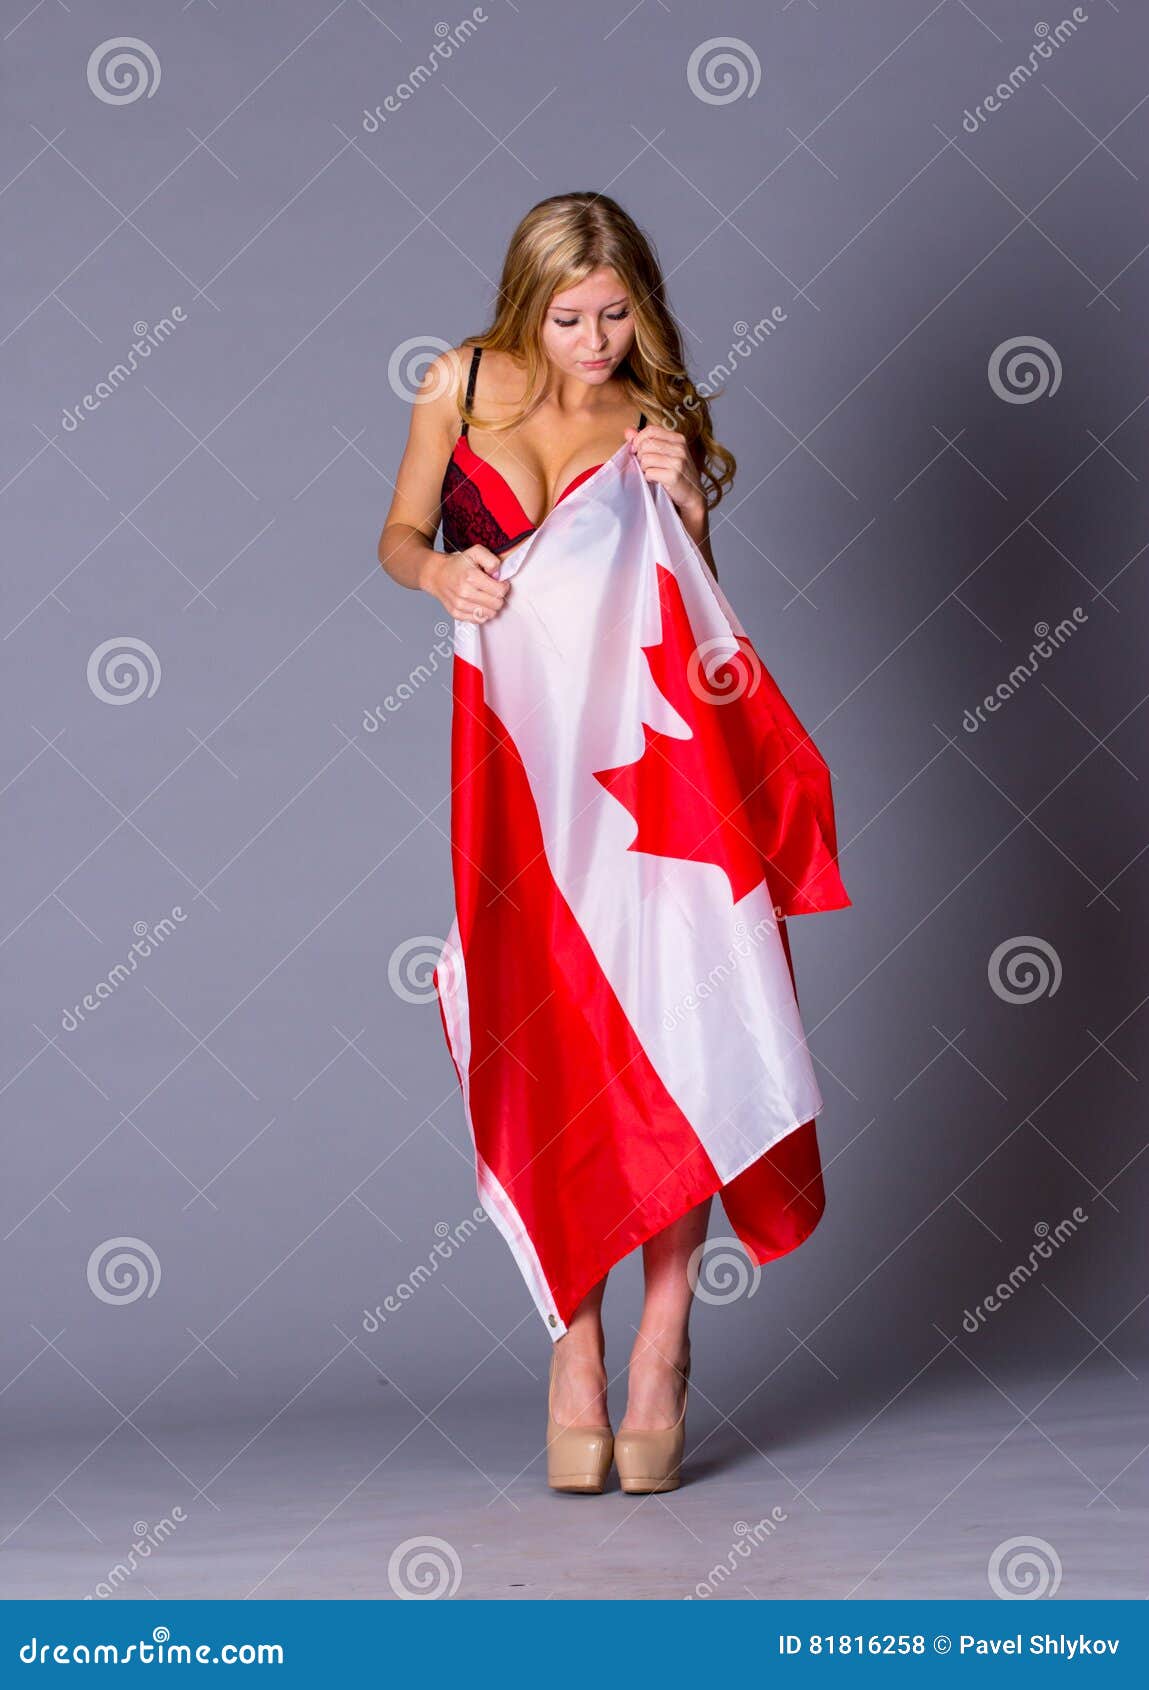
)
(588, 329)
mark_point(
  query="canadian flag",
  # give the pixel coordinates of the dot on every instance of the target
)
(635, 810)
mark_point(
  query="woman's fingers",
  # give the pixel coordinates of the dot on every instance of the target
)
(660, 440)
(669, 457)
(483, 590)
(655, 435)
(482, 556)
(665, 459)
(479, 590)
(478, 598)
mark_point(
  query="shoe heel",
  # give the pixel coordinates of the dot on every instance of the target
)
(651, 1462)
(578, 1457)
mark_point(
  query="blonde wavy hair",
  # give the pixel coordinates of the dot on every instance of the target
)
(558, 244)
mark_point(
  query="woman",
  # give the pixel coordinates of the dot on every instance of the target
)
(582, 358)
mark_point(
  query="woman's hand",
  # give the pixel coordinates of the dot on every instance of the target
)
(461, 583)
(664, 457)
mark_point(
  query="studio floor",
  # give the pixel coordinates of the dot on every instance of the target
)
(911, 1497)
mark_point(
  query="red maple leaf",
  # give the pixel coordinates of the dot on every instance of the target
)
(747, 791)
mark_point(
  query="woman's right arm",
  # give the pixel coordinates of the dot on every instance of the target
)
(459, 580)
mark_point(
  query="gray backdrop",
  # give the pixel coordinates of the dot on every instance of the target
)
(255, 1101)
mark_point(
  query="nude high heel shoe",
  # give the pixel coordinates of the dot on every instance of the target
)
(652, 1461)
(578, 1457)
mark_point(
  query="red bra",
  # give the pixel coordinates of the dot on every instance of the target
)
(479, 508)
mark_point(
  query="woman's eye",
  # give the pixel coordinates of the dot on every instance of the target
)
(569, 322)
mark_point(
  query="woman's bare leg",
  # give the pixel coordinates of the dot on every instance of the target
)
(662, 1343)
(580, 1374)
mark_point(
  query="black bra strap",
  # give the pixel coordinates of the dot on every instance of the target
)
(471, 381)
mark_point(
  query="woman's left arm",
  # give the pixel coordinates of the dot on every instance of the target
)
(665, 457)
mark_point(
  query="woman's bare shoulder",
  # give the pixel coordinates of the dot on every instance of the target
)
(444, 383)
(502, 380)
(443, 378)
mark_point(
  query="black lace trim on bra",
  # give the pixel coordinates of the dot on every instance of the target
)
(466, 521)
